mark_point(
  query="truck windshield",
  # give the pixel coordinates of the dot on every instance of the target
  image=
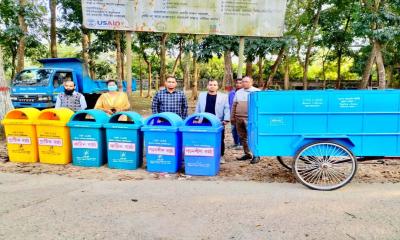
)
(33, 77)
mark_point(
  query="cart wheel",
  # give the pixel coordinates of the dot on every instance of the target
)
(324, 165)
(287, 162)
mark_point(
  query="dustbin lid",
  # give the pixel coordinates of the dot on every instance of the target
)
(165, 121)
(133, 121)
(21, 116)
(92, 118)
(201, 122)
(54, 117)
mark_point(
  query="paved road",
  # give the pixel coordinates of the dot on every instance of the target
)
(54, 207)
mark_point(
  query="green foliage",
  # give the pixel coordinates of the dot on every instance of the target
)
(255, 47)
(70, 21)
(10, 32)
(147, 45)
(217, 45)
(102, 69)
(213, 69)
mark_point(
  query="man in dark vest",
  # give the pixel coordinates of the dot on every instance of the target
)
(71, 99)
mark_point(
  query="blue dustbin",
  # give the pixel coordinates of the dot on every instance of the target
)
(88, 138)
(124, 140)
(163, 142)
(201, 136)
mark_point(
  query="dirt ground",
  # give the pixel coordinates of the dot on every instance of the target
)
(267, 170)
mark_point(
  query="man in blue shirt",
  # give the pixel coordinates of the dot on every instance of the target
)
(236, 140)
(170, 99)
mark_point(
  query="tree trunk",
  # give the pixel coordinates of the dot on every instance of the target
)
(118, 58)
(163, 57)
(122, 64)
(149, 77)
(92, 63)
(85, 48)
(242, 42)
(122, 56)
(286, 79)
(368, 68)
(390, 76)
(309, 47)
(340, 55)
(260, 70)
(128, 51)
(22, 41)
(380, 66)
(5, 100)
(140, 76)
(249, 68)
(274, 67)
(186, 71)
(376, 51)
(339, 72)
(178, 58)
(157, 87)
(324, 73)
(195, 70)
(13, 63)
(53, 28)
(195, 77)
(228, 72)
(92, 67)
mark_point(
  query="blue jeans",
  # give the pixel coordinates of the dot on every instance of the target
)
(235, 135)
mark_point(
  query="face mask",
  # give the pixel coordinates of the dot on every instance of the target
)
(112, 88)
(68, 92)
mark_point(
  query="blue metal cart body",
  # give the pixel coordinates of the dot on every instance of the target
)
(365, 122)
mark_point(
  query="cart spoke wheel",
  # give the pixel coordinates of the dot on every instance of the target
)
(324, 165)
(287, 162)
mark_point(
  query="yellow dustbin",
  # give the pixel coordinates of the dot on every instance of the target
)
(21, 134)
(53, 137)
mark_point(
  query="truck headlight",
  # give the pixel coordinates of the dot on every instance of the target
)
(13, 98)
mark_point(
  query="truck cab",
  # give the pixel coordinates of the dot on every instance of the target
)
(39, 87)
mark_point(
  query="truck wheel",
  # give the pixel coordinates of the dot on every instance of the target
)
(324, 165)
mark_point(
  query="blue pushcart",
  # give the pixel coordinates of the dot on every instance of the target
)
(321, 135)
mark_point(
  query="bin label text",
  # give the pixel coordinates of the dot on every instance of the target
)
(19, 140)
(199, 151)
(169, 151)
(55, 142)
(84, 144)
(120, 146)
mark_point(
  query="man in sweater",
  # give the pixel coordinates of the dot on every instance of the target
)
(216, 103)
(71, 99)
(239, 117)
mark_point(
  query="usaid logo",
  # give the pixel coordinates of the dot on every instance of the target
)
(109, 23)
(91, 22)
